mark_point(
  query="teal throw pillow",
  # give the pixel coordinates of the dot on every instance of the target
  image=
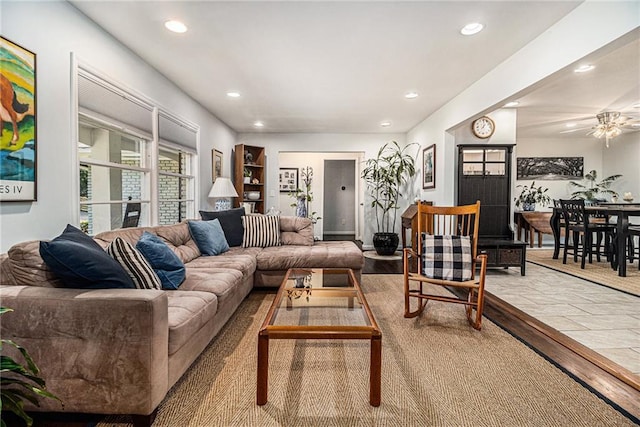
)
(169, 268)
(209, 237)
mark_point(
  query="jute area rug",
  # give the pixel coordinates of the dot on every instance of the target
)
(436, 371)
(597, 272)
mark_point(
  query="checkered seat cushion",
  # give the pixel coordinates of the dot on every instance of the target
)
(447, 257)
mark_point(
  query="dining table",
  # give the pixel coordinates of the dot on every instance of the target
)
(622, 212)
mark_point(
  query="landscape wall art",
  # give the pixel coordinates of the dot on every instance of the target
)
(550, 168)
(18, 123)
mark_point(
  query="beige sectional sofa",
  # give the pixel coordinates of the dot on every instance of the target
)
(119, 351)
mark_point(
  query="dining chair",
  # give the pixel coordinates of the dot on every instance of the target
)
(446, 256)
(633, 250)
(582, 228)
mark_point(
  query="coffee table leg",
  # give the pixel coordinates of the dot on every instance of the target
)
(263, 369)
(375, 371)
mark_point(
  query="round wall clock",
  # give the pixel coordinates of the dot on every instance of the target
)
(483, 127)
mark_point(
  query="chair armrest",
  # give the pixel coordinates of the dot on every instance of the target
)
(99, 351)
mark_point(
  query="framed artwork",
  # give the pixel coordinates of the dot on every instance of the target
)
(216, 164)
(429, 167)
(550, 168)
(288, 180)
(18, 137)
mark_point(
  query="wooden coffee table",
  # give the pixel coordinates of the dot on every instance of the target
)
(320, 304)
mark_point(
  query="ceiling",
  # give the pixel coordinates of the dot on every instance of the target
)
(334, 66)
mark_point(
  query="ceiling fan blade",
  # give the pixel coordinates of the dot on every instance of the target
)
(574, 130)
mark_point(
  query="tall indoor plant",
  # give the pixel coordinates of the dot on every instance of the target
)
(593, 191)
(384, 175)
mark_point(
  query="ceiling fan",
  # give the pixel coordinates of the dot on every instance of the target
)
(610, 125)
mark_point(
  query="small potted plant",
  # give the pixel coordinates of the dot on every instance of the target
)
(247, 176)
(532, 195)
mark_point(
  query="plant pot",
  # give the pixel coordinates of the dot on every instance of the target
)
(247, 180)
(529, 207)
(386, 243)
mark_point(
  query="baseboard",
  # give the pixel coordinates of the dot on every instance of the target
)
(339, 233)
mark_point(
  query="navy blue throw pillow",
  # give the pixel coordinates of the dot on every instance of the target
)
(231, 222)
(169, 268)
(80, 262)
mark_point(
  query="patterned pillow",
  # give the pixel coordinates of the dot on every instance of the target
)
(261, 231)
(135, 264)
(447, 257)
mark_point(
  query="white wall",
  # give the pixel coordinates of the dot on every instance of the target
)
(588, 147)
(324, 144)
(587, 28)
(623, 157)
(53, 30)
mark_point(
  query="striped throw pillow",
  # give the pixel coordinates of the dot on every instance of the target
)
(261, 231)
(447, 257)
(135, 264)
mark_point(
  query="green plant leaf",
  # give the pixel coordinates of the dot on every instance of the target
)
(12, 404)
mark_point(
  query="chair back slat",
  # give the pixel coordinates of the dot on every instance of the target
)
(573, 212)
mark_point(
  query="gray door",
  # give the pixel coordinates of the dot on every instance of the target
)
(339, 216)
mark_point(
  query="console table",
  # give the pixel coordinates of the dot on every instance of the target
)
(504, 253)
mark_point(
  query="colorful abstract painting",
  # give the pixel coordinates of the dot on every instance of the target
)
(18, 124)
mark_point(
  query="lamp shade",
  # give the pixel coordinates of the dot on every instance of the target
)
(222, 188)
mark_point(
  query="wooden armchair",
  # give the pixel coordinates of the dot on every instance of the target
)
(446, 256)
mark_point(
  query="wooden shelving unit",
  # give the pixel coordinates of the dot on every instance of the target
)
(256, 164)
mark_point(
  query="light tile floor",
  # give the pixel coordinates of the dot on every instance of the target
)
(601, 318)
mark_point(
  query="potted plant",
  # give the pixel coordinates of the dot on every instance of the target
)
(592, 191)
(247, 176)
(532, 195)
(19, 382)
(384, 175)
(304, 197)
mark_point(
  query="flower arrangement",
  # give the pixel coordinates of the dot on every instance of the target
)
(532, 195)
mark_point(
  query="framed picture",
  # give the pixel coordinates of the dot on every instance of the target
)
(216, 164)
(550, 168)
(18, 137)
(429, 167)
(288, 180)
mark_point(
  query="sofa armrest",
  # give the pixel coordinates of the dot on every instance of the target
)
(100, 351)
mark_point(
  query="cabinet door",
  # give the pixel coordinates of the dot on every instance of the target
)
(484, 174)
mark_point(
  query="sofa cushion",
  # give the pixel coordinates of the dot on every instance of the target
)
(296, 231)
(242, 260)
(321, 254)
(231, 222)
(261, 231)
(209, 236)
(24, 266)
(164, 261)
(135, 264)
(221, 282)
(188, 312)
(82, 263)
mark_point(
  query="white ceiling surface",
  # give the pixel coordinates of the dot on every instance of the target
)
(569, 97)
(330, 66)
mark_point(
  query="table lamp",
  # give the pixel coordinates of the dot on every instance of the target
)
(222, 190)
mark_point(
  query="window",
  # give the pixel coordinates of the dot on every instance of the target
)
(112, 174)
(175, 186)
(123, 164)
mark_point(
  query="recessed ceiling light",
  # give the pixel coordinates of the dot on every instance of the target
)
(571, 125)
(385, 124)
(584, 68)
(233, 94)
(258, 124)
(511, 104)
(175, 26)
(471, 29)
(411, 95)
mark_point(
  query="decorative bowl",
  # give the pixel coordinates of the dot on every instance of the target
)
(253, 195)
